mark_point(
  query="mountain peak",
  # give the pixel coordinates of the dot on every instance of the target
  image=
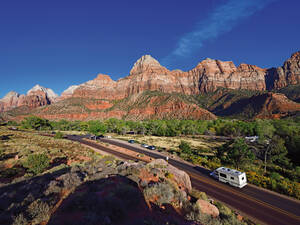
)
(146, 62)
(10, 95)
(50, 93)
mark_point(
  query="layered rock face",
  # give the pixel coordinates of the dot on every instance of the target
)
(213, 74)
(148, 74)
(288, 74)
(274, 105)
(35, 97)
(68, 92)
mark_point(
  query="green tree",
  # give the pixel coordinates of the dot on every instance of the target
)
(37, 163)
(97, 127)
(239, 153)
(36, 123)
(185, 147)
(276, 152)
(265, 130)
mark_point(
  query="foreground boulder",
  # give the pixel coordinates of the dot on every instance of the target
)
(181, 177)
(207, 208)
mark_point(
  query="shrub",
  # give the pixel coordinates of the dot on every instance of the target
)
(169, 175)
(59, 135)
(20, 220)
(275, 176)
(37, 163)
(225, 212)
(185, 147)
(198, 194)
(163, 191)
(38, 211)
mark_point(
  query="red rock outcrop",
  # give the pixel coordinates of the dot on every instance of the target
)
(136, 108)
(288, 74)
(207, 208)
(161, 107)
(213, 74)
(148, 74)
(35, 97)
(68, 92)
(275, 105)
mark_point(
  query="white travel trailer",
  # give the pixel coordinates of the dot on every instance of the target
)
(230, 176)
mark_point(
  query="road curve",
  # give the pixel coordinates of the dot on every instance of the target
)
(264, 206)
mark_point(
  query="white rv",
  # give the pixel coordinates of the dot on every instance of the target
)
(230, 176)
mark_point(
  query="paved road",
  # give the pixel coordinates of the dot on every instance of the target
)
(264, 206)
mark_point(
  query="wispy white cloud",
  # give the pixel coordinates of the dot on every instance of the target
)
(221, 20)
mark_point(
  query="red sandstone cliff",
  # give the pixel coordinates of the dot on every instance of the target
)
(148, 74)
(35, 97)
(275, 105)
(288, 74)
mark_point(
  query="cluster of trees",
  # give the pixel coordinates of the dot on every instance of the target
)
(279, 138)
(168, 128)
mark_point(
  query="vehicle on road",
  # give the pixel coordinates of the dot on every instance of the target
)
(144, 145)
(131, 141)
(151, 147)
(93, 137)
(251, 138)
(230, 176)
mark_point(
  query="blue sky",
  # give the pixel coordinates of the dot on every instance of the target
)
(60, 43)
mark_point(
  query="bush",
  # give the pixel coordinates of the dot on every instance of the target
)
(198, 194)
(225, 212)
(163, 191)
(275, 176)
(59, 135)
(38, 211)
(37, 163)
(20, 220)
(185, 147)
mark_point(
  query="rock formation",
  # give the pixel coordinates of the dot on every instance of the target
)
(288, 74)
(68, 92)
(274, 105)
(147, 75)
(207, 208)
(35, 97)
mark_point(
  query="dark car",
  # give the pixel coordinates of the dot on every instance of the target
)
(131, 141)
(98, 137)
(151, 147)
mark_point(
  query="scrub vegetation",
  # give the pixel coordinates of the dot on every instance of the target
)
(271, 161)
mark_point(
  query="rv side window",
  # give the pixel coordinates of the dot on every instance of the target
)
(232, 178)
(223, 175)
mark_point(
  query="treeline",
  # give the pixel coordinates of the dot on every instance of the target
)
(169, 128)
(287, 130)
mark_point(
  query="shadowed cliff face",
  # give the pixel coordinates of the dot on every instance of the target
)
(288, 74)
(267, 105)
